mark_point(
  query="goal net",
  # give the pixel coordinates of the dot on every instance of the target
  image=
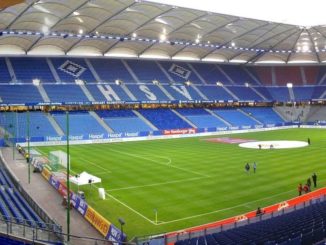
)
(58, 160)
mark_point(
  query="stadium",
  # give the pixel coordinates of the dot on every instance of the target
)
(160, 122)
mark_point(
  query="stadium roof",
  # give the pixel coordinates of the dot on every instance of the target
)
(128, 28)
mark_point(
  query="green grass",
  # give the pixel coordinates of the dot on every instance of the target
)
(191, 181)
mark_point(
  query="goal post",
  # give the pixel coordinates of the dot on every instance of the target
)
(58, 160)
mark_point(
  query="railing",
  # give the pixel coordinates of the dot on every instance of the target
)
(237, 221)
(23, 229)
(51, 224)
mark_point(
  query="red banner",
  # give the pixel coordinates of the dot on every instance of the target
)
(179, 131)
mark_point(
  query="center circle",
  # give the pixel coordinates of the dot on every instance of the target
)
(275, 144)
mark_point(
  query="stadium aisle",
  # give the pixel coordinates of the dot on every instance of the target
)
(48, 198)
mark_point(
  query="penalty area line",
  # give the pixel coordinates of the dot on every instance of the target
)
(130, 208)
(156, 184)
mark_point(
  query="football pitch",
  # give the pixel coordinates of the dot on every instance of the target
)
(192, 181)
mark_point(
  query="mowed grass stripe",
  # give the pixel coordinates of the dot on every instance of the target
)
(228, 191)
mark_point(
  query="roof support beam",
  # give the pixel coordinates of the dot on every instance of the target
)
(19, 15)
(34, 44)
(293, 47)
(234, 38)
(173, 31)
(239, 52)
(85, 2)
(101, 23)
(313, 45)
(208, 33)
(259, 54)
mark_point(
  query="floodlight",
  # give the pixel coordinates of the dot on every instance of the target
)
(36, 81)
(289, 85)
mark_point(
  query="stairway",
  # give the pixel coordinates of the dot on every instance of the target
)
(145, 120)
(219, 118)
(184, 118)
(43, 93)
(101, 122)
(291, 93)
(87, 93)
(55, 125)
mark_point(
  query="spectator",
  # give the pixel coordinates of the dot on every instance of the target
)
(314, 179)
(300, 189)
(259, 212)
(309, 183)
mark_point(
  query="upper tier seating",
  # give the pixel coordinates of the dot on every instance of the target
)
(70, 69)
(288, 74)
(303, 93)
(27, 69)
(147, 92)
(180, 72)
(321, 78)
(108, 92)
(215, 93)
(164, 119)
(245, 93)
(265, 115)
(201, 118)
(147, 71)
(265, 75)
(4, 73)
(211, 73)
(279, 93)
(311, 74)
(80, 123)
(237, 74)
(264, 92)
(235, 117)
(303, 226)
(182, 92)
(111, 70)
(123, 121)
(65, 93)
(318, 92)
(20, 94)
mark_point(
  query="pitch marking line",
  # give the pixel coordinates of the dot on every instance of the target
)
(220, 210)
(98, 166)
(128, 207)
(156, 184)
(152, 160)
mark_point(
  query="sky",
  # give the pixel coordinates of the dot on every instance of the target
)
(301, 13)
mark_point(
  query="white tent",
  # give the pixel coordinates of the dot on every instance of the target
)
(84, 178)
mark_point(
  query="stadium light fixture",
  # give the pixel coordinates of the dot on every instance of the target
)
(289, 85)
(36, 81)
(79, 82)
(155, 82)
(188, 83)
(118, 82)
(220, 84)
(247, 84)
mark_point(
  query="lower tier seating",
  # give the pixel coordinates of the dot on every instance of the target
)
(304, 226)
